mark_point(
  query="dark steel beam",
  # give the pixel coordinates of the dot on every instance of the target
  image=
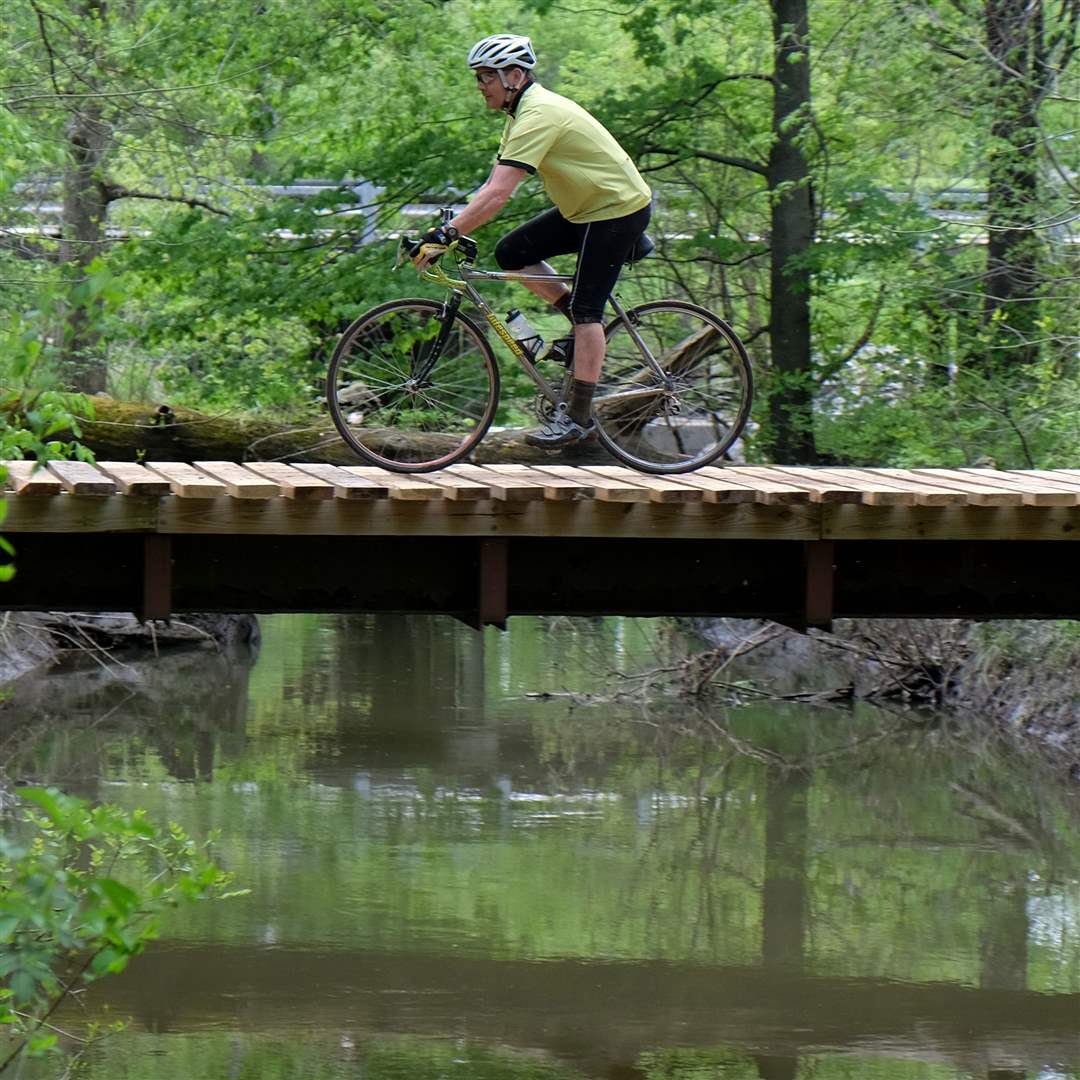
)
(157, 578)
(820, 558)
(486, 581)
(494, 599)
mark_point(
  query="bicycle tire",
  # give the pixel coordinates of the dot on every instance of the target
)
(692, 417)
(388, 418)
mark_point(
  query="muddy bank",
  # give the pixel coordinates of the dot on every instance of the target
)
(1020, 678)
(25, 644)
(35, 641)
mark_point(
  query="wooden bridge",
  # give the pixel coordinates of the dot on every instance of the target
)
(798, 545)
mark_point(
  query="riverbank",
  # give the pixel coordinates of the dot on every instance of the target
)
(31, 641)
(25, 644)
(1020, 678)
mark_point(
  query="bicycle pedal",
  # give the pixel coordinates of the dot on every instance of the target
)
(561, 351)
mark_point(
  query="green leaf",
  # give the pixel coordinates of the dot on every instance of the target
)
(41, 1043)
(123, 899)
(47, 799)
(22, 985)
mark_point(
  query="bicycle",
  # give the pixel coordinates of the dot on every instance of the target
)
(413, 385)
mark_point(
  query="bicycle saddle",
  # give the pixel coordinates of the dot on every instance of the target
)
(643, 246)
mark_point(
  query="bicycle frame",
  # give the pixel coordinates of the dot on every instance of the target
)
(664, 411)
(462, 286)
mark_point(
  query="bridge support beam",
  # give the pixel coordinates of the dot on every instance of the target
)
(483, 580)
(156, 578)
(820, 560)
(494, 602)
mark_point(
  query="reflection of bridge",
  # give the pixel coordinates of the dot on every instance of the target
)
(798, 545)
(601, 1016)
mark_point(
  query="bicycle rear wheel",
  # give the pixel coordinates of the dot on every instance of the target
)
(693, 413)
(396, 408)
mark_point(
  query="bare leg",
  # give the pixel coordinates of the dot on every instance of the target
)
(551, 291)
(590, 347)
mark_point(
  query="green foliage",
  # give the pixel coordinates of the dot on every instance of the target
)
(234, 293)
(82, 891)
(907, 411)
(33, 412)
(7, 570)
(685, 1064)
(259, 1057)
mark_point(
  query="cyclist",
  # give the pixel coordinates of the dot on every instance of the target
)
(602, 206)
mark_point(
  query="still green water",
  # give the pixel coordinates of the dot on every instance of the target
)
(451, 878)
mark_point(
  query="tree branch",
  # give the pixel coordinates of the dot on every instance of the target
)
(715, 260)
(48, 46)
(113, 192)
(864, 337)
(708, 155)
(1068, 40)
(30, 98)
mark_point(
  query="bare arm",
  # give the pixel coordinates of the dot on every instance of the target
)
(490, 199)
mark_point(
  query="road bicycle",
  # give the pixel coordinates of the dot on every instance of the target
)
(413, 385)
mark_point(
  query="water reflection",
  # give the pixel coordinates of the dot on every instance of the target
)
(452, 878)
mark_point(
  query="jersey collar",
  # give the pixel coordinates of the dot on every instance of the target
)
(512, 111)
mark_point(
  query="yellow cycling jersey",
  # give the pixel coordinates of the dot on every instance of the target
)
(588, 175)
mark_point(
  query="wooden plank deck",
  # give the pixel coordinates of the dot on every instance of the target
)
(800, 545)
(748, 502)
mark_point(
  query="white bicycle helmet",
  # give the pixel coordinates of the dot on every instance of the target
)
(503, 51)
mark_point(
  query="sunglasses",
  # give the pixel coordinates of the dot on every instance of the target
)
(483, 78)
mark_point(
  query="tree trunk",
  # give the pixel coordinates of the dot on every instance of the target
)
(1010, 310)
(791, 402)
(85, 212)
(1005, 952)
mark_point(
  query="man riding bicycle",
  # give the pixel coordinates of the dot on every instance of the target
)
(602, 206)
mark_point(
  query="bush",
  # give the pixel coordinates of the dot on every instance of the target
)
(82, 890)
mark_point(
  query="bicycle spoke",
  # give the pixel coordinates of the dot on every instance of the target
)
(695, 412)
(392, 417)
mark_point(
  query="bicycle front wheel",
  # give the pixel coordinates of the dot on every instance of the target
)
(690, 408)
(406, 396)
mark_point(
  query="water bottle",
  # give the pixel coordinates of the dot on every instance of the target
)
(524, 334)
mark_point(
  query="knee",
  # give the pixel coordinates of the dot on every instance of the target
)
(508, 254)
(585, 312)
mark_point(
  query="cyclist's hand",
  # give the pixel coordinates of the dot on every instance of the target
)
(432, 244)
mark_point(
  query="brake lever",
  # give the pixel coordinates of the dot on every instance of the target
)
(409, 249)
(403, 254)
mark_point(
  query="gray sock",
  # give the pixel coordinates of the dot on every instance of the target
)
(580, 408)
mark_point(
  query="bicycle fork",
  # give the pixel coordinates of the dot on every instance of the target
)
(446, 321)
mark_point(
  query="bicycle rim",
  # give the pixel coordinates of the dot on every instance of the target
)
(393, 414)
(693, 414)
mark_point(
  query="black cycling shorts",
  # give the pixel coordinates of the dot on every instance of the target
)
(601, 247)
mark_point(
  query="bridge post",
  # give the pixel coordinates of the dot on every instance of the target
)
(493, 601)
(820, 581)
(156, 600)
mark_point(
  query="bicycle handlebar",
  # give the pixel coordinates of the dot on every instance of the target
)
(409, 248)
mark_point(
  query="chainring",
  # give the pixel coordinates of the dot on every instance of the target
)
(545, 409)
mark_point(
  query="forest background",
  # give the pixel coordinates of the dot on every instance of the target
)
(883, 197)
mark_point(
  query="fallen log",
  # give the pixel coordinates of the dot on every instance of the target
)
(128, 431)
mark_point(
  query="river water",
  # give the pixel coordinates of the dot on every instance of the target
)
(452, 877)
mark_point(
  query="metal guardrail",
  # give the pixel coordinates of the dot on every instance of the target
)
(962, 208)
